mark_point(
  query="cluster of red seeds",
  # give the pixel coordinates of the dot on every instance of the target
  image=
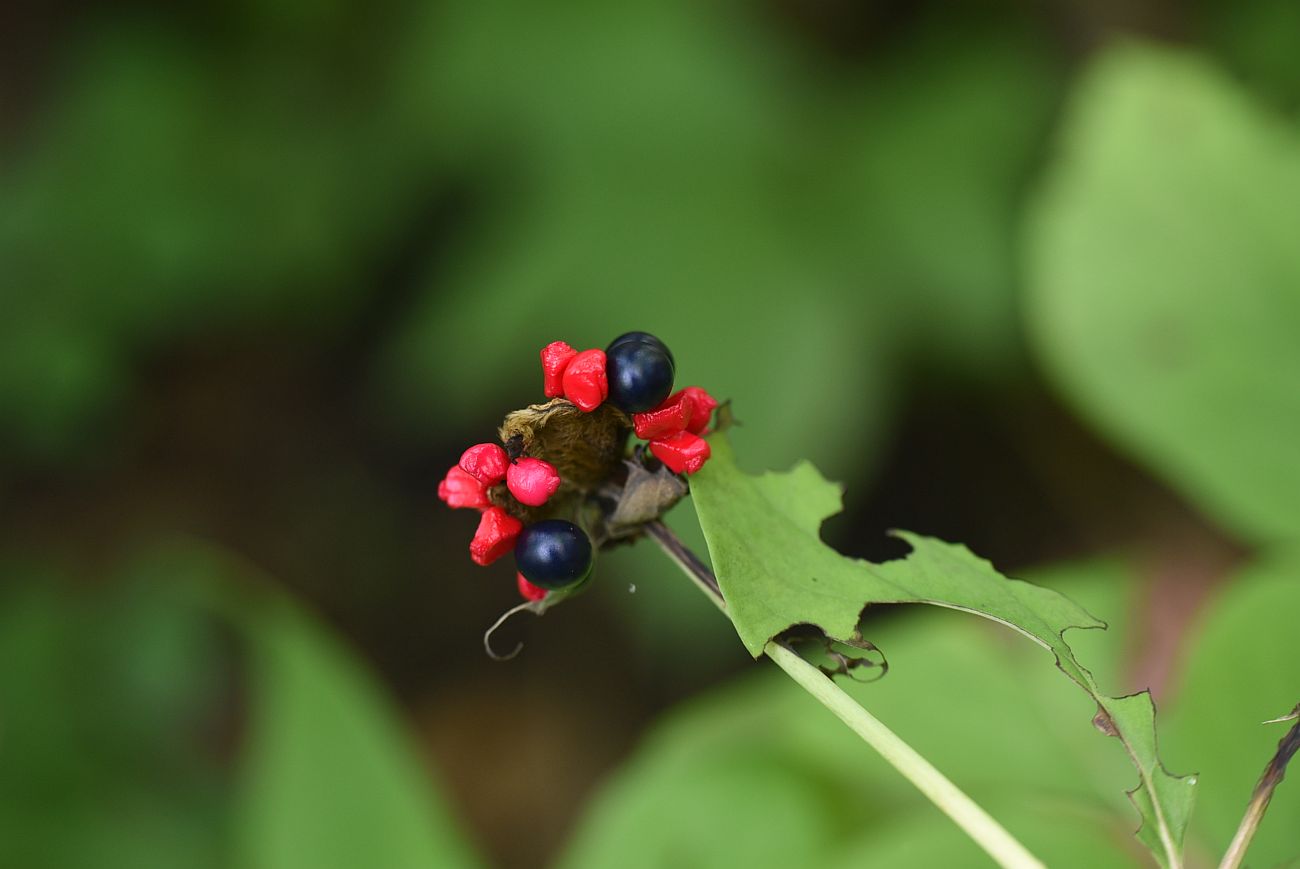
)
(674, 428)
(530, 481)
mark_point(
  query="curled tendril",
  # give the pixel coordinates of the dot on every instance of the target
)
(533, 607)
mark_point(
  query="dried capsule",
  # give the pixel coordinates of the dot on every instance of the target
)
(495, 536)
(532, 481)
(682, 453)
(461, 489)
(527, 590)
(486, 462)
(584, 380)
(556, 357)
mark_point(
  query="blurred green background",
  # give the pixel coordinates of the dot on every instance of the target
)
(1024, 276)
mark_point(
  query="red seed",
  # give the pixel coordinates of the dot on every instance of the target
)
(460, 489)
(486, 462)
(527, 590)
(702, 407)
(682, 452)
(668, 418)
(556, 357)
(584, 380)
(532, 481)
(495, 536)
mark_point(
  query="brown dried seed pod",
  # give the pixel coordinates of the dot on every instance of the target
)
(587, 449)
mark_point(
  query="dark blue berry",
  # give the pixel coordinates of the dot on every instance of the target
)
(640, 375)
(553, 553)
(641, 338)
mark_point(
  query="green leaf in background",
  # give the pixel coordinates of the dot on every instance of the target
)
(739, 810)
(1165, 281)
(775, 572)
(171, 187)
(1240, 671)
(928, 227)
(846, 806)
(107, 705)
(1065, 836)
(1256, 41)
(329, 779)
(100, 693)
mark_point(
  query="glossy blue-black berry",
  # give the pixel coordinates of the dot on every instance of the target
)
(642, 338)
(640, 375)
(553, 553)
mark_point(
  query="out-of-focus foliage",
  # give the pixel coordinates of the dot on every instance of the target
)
(1073, 839)
(326, 777)
(179, 185)
(1257, 41)
(85, 780)
(329, 779)
(1165, 281)
(1240, 672)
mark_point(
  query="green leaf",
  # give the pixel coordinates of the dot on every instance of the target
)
(844, 803)
(775, 572)
(1164, 281)
(99, 763)
(1064, 835)
(932, 228)
(109, 697)
(743, 810)
(329, 779)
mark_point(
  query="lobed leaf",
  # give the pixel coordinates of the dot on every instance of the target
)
(763, 533)
(1046, 783)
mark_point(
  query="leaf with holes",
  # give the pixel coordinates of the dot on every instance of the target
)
(763, 533)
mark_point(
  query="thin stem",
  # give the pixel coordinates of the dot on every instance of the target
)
(983, 829)
(1263, 793)
(688, 561)
(965, 813)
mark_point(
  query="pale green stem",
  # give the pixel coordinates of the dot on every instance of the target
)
(965, 813)
(974, 821)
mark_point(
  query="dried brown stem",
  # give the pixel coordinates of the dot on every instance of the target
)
(687, 560)
(1259, 800)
